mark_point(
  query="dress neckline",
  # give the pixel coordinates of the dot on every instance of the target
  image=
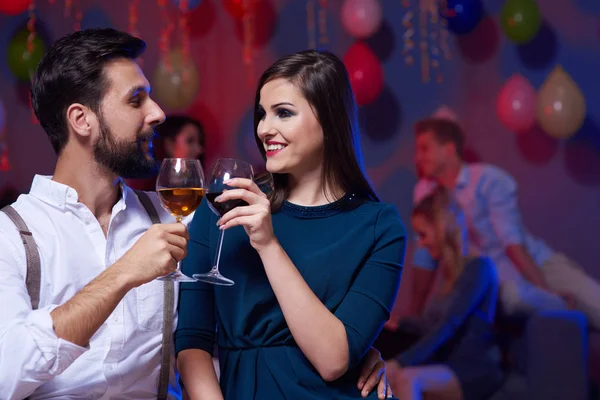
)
(345, 203)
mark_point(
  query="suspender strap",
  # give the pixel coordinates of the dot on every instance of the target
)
(32, 256)
(167, 337)
(33, 281)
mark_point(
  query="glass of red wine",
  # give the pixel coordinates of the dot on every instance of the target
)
(225, 169)
(180, 188)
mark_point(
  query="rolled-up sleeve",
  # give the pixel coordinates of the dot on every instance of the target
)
(500, 194)
(196, 326)
(367, 305)
(30, 352)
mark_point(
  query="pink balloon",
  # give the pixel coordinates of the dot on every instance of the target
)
(516, 105)
(361, 18)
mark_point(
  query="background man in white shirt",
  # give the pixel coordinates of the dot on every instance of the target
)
(97, 331)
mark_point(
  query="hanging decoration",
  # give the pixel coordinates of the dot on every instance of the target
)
(184, 28)
(310, 24)
(134, 17)
(316, 23)
(4, 162)
(432, 36)
(322, 14)
(69, 10)
(248, 27)
(164, 39)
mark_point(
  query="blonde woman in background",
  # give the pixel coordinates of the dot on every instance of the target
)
(453, 354)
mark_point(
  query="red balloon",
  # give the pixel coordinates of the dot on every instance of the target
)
(365, 72)
(235, 8)
(14, 7)
(265, 21)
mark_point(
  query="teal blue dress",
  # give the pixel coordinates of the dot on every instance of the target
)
(349, 252)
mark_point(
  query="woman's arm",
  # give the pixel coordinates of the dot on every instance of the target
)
(330, 343)
(198, 375)
(196, 326)
(477, 280)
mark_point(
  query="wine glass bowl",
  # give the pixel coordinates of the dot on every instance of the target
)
(180, 189)
(224, 170)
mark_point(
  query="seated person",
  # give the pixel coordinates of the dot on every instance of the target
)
(448, 350)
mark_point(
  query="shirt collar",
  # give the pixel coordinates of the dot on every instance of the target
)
(463, 177)
(59, 195)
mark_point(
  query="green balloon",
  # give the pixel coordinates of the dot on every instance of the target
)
(521, 20)
(22, 63)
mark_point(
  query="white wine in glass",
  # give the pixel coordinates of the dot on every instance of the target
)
(180, 188)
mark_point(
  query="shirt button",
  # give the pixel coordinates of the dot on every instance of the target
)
(109, 367)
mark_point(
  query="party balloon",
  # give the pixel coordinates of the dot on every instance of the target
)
(175, 83)
(462, 15)
(516, 104)
(235, 8)
(521, 20)
(21, 62)
(361, 18)
(561, 105)
(191, 4)
(2, 117)
(365, 72)
(265, 23)
(14, 7)
(95, 17)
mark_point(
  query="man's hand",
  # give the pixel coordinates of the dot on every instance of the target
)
(372, 374)
(155, 254)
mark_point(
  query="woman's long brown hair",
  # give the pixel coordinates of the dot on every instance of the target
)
(442, 211)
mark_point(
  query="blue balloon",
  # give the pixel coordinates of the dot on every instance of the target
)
(96, 17)
(463, 15)
(191, 4)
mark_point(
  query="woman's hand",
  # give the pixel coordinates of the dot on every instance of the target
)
(255, 217)
(373, 374)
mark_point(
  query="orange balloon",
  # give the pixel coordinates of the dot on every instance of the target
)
(175, 83)
(561, 105)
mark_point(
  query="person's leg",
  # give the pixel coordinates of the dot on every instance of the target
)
(521, 297)
(432, 382)
(565, 276)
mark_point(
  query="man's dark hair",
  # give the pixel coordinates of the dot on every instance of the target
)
(444, 131)
(72, 71)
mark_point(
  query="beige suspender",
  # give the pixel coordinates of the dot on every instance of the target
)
(33, 281)
(32, 257)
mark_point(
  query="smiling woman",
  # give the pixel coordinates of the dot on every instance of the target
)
(316, 262)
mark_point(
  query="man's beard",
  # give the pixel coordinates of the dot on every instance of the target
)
(125, 159)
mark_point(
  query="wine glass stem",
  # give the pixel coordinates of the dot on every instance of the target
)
(218, 255)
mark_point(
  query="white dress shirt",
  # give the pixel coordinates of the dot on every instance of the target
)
(123, 357)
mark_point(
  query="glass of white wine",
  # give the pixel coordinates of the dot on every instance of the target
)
(180, 188)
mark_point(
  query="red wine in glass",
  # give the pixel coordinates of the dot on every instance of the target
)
(222, 208)
(224, 170)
